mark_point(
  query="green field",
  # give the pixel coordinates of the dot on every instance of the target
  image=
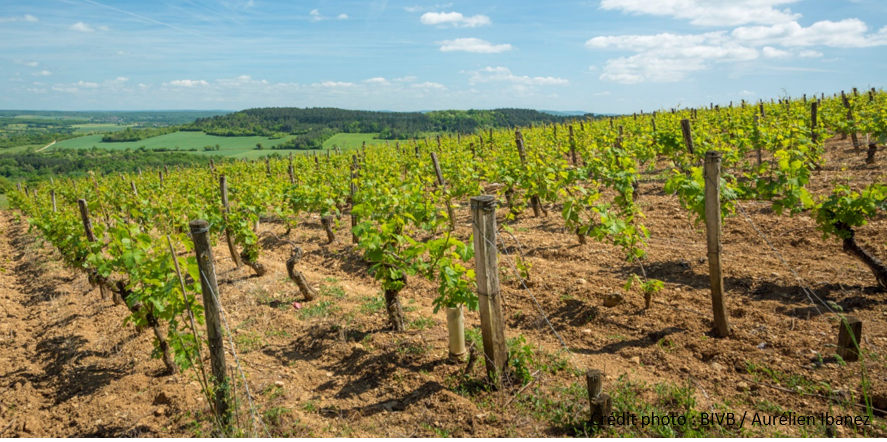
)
(237, 147)
(351, 141)
(98, 127)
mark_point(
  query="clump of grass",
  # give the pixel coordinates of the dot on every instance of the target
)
(372, 304)
(320, 309)
(247, 342)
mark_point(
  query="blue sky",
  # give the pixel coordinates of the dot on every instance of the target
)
(607, 56)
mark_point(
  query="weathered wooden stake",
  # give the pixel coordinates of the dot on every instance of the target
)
(483, 216)
(223, 186)
(713, 227)
(814, 108)
(849, 338)
(688, 135)
(52, 195)
(211, 306)
(758, 143)
(573, 147)
(600, 404)
(521, 150)
(443, 189)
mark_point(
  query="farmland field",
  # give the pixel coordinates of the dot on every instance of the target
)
(350, 141)
(237, 147)
(99, 127)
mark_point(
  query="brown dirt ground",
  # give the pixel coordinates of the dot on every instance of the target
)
(69, 368)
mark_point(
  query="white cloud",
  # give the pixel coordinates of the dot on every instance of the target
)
(104, 28)
(592, 68)
(405, 79)
(454, 19)
(667, 58)
(86, 84)
(70, 90)
(42, 73)
(334, 84)
(770, 52)
(475, 45)
(848, 33)
(317, 16)
(429, 85)
(810, 54)
(37, 90)
(710, 12)
(81, 27)
(602, 94)
(504, 75)
(25, 18)
(747, 93)
(122, 79)
(377, 80)
(187, 83)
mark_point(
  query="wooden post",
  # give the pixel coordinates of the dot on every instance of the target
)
(160, 174)
(534, 200)
(52, 195)
(762, 110)
(214, 331)
(849, 338)
(688, 135)
(292, 173)
(443, 189)
(758, 143)
(87, 224)
(354, 239)
(268, 166)
(223, 186)
(483, 216)
(600, 404)
(572, 146)
(713, 227)
(813, 111)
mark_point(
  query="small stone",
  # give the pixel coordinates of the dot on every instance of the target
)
(329, 374)
(677, 289)
(742, 386)
(717, 367)
(581, 281)
(160, 411)
(586, 331)
(613, 300)
(278, 384)
(685, 369)
(636, 360)
(774, 274)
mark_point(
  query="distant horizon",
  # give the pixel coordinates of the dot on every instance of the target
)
(301, 107)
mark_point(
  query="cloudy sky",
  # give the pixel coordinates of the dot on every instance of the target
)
(608, 56)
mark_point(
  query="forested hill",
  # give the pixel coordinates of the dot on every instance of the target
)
(313, 123)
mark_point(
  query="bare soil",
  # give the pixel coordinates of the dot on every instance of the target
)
(68, 367)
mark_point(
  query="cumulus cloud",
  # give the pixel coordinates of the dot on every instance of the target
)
(671, 57)
(775, 53)
(376, 80)
(429, 85)
(849, 33)
(42, 74)
(317, 16)
(504, 75)
(334, 84)
(454, 19)
(601, 94)
(86, 84)
(187, 83)
(405, 79)
(81, 27)
(710, 12)
(25, 18)
(475, 45)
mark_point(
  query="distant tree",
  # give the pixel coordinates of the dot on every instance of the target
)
(259, 146)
